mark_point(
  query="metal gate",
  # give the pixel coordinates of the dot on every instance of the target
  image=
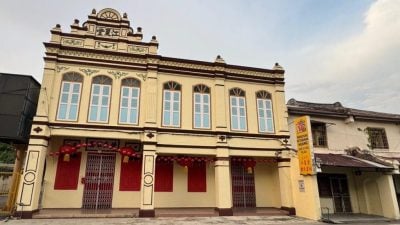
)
(243, 190)
(340, 194)
(99, 181)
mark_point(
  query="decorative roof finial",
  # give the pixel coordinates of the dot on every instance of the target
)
(76, 22)
(125, 15)
(139, 30)
(93, 11)
(219, 59)
(58, 25)
(277, 67)
(153, 39)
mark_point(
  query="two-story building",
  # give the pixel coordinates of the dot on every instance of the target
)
(356, 154)
(119, 126)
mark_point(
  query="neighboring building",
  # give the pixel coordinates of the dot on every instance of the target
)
(357, 154)
(18, 99)
(192, 134)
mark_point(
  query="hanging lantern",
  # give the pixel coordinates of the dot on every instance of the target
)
(185, 162)
(249, 164)
(126, 152)
(67, 150)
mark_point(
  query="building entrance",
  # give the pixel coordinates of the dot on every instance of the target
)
(335, 186)
(243, 190)
(99, 181)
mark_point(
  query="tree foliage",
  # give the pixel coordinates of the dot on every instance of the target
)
(7, 153)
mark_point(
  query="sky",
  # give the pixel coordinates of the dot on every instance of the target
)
(331, 50)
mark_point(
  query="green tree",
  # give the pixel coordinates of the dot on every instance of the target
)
(7, 153)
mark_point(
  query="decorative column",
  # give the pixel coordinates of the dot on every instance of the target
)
(148, 176)
(30, 187)
(223, 181)
(286, 186)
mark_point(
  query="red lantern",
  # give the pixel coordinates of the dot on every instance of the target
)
(126, 152)
(66, 150)
(185, 162)
(249, 164)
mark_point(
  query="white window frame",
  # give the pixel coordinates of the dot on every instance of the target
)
(265, 118)
(171, 108)
(129, 107)
(100, 95)
(238, 111)
(202, 113)
(69, 104)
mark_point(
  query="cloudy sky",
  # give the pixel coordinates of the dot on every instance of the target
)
(332, 50)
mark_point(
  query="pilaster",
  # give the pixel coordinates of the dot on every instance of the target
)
(223, 182)
(286, 186)
(220, 105)
(147, 182)
(151, 99)
(31, 181)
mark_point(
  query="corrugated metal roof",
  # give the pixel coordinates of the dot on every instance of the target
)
(337, 110)
(348, 161)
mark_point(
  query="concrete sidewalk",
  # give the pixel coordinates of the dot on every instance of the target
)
(168, 221)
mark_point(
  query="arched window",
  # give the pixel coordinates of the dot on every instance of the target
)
(70, 94)
(201, 106)
(264, 111)
(100, 99)
(129, 105)
(172, 104)
(238, 109)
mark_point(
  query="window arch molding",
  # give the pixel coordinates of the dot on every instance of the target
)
(201, 88)
(172, 85)
(265, 115)
(237, 92)
(72, 77)
(102, 79)
(130, 82)
(263, 94)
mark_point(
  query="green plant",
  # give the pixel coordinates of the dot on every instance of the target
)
(7, 153)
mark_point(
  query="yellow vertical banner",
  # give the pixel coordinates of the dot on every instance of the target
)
(304, 145)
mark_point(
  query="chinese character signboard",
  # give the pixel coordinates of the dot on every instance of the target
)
(304, 145)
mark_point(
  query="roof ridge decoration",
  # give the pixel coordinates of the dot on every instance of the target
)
(338, 109)
(367, 155)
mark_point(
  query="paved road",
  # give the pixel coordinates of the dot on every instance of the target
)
(243, 220)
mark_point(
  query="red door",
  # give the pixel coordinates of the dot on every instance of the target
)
(99, 181)
(243, 190)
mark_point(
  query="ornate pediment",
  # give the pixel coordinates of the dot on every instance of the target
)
(106, 30)
(109, 23)
(109, 14)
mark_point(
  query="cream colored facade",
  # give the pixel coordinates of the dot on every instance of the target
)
(106, 45)
(370, 190)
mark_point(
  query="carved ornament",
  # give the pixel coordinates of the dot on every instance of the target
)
(72, 42)
(117, 74)
(61, 68)
(88, 71)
